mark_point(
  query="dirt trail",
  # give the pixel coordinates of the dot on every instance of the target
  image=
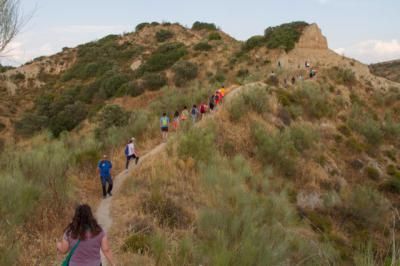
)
(103, 213)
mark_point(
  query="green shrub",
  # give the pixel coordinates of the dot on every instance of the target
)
(167, 212)
(237, 109)
(137, 243)
(239, 216)
(198, 144)
(163, 35)
(112, 116)
(219, 77)
(30, 123)
(242, 73)
(68, 118)
(303, 136)
(314, 101)
(2, 126)
(372, 173)
(164, 57)
(203, 26)
(132, 88)
(284, 36)
(184, 72)
(214, 36)
(18, 77)
(392, 185)
(276, 149)
(141, 26)
(391, 128)
(5, 68)
(368, 206)
(154, 81)
(343, 76)
(202, 46)
(254, 42)
(365, 125)
(111, 83)
(256, 99)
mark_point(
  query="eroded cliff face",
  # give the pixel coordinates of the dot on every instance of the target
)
(312, 38)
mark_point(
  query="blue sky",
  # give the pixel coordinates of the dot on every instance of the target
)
(367, 30)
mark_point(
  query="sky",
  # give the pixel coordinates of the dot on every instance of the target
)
(367, 30)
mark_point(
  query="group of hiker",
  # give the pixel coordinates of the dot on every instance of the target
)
(196, 113)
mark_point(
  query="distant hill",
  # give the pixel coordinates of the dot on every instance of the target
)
(389, 70)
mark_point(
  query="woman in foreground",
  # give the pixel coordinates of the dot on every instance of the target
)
(84, 238)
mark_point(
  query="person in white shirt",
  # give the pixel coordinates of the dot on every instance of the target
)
(130, 152)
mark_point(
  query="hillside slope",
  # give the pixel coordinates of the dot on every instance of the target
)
(290, 170)
(389, 70)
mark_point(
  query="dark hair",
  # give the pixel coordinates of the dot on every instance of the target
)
(185, 107)
(164, 114)
(82, 222)
(194, 106)
(176, 113)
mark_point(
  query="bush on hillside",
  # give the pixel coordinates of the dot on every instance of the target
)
(132, 88)
(344, 76)
(203, 26)
(5, 68)
(154, 81)
(111, 83)
(284, 36)
(163, 35)
(303, 136)
(366, 125)
(214, 36)
(240, 215)
(141, 26)
(68, 118)
(164, 57)
(314, 101)
(368, 206)
(202, 46)
(276, 149)
(112, 116)
(167, 212)
(30, 123)
(254, 42)
(184, 72)
(197, 143)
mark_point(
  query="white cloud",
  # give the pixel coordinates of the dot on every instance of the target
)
(89, 29)
(28, 46)
(370, 51)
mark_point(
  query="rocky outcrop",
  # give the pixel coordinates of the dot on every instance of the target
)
(312, 38)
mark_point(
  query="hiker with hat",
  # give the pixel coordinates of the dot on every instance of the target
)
(104, 168)
(130, 152)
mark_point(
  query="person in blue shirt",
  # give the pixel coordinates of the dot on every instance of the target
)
(104, 168)
(164, 124)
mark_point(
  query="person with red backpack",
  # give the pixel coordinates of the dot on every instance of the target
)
(203, 110)
(130, 152)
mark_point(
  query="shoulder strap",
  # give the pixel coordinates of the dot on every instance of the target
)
(69, 256)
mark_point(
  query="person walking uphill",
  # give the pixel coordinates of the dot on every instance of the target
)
(83, 239)
(105, 167)
(130, 152)
(194, 113)
(164, 124)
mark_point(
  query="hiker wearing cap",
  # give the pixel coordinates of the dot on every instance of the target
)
(84, 239)
(164, 124)
(130, 152)
(104, 168)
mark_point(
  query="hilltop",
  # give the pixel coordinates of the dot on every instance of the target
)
(290, 169)
(389, 70)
